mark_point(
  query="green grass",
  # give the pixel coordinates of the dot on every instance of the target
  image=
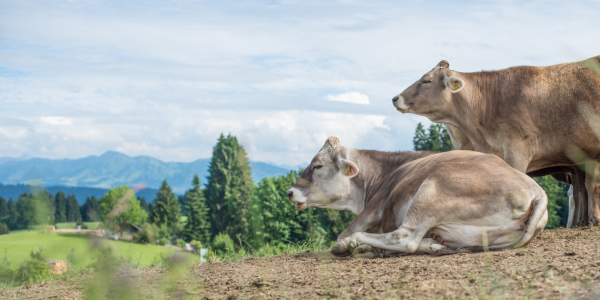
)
(57, 246)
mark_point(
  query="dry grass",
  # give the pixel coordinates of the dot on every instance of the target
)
(560, 264)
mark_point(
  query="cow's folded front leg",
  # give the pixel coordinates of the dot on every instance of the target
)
(400, 240)
(341, 249)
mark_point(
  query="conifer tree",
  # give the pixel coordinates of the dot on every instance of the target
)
(13, 215)
(165, 209)
(73, 214)
(90, 210)
(420, 138)
(3, 209)
(229, 188)
(197, 226)
(144, 204)
(435, 139)
(60, 206)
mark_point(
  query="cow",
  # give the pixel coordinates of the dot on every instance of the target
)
(422, 201)
(533, 117)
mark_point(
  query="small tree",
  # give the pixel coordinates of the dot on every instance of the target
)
(165, 209)
(120, 206)
(60, 206)
(197, 226)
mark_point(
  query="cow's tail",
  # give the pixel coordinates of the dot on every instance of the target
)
(539, 215)
(538, 212)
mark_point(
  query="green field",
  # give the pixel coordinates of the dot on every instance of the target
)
(19, 245)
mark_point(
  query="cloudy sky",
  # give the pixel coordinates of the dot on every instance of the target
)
(165, 78)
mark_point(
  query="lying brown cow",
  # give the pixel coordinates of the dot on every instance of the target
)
(532, 117)
(422, 201)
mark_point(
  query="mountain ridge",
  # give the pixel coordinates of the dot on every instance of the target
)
(113, 168)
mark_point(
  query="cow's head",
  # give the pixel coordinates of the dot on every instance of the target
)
(430, 94)
(326, 181)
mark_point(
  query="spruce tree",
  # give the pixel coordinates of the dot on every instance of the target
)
(73, 214)
(197, 226)
(165, 209)
(3, 209)
(229, 188)
(144, 204)
(26, 211)
(435, 139)
(90, 210)
(13, 215)
(60, 206)
(420, 138)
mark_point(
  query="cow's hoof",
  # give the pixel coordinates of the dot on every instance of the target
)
(340, 249)
(364, 251)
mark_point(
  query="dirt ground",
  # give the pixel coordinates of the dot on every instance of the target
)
(560, 264)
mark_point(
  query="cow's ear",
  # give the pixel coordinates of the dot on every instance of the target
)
(349, 169)
(454, 84)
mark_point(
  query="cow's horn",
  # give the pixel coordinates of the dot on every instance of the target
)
(331, 143)
(442, 65)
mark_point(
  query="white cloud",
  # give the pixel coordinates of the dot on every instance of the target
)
(350, 97)
(164, 79)
(56, 120)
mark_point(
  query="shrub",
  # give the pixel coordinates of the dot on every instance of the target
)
(84, 226)
(3, 229)
(181, 244)
(147, 235)
(223, 244)
(33, 270)
(7, 275)
(196, 245)
(163, 241)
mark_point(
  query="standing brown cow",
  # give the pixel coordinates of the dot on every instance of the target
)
(532, 117)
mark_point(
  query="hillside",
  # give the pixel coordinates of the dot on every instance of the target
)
(114, 168)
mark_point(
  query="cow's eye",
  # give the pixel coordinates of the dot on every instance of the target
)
(426, 81)
(317, 167)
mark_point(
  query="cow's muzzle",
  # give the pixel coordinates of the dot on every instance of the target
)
(296, 195)
(398, 102)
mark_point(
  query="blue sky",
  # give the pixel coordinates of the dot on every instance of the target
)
(165, 78)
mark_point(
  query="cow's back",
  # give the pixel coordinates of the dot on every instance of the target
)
(484, 173)
(545, 107)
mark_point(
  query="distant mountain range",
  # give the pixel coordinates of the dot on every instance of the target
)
(113, 168)
(8, 191)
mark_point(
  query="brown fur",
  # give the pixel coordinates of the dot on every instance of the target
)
(529, 116)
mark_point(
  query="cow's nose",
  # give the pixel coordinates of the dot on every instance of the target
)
(290, 194)
(395, 99)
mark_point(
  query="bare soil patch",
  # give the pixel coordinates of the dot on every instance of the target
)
(561, 263)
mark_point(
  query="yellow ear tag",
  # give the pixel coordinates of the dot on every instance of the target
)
(348, 170)
(455, 86)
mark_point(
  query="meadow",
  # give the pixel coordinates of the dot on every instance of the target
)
(19, 244)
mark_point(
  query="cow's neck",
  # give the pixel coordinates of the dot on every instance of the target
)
(374, 167)
(472, 109)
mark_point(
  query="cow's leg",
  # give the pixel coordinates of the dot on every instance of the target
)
(404, 239)
(427, 245)
(368, 220)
